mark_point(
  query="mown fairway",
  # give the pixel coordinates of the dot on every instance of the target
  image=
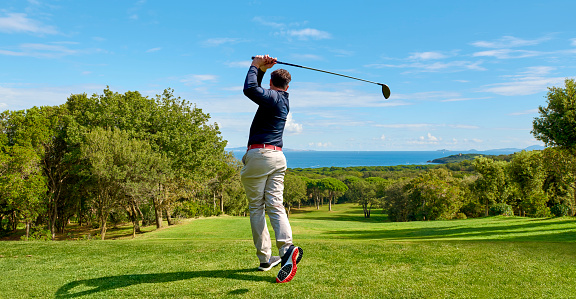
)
(344, 256)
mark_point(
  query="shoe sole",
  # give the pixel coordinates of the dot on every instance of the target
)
(288, 271)
(270, 267)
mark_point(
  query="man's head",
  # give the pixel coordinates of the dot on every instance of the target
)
(280, 78)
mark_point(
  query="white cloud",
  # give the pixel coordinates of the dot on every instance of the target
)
(268, 23)
(507, 53)
(215, 42)
(383, 137)
(53, 50)
(538, 70)
(306, 57)
(509, 42)
(309, 33)
(292, 127)
(198, 79)
(153, 50)
(432, 138)
(465, 99)
(427, 56)
(239, 64)
(431, 126)
(19, 22)
(523, 86)
(573, 42)
(24, 96)
(428, 139)
(404, 126)
(320, 144)
(453, 66)
(525, 112)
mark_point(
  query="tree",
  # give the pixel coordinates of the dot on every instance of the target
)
(556, 125)
(22, 184)
(123, 169)
(364, 194)
(334, 187)
(433, 195)
(44, 131)
(314, 190)
(396, 202)
(294, 191)
(490, 186)
(527, 174)
(560, 181)
(173, 127)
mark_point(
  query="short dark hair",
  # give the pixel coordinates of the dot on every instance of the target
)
(280, 78)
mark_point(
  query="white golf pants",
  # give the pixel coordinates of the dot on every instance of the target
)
(263, 180)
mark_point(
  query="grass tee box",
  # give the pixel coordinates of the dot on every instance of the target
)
(346, 256)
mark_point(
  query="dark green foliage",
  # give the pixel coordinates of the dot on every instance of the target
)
(556, 125)
(103, 157)
(501, 209)
(560, 210)
(457, 158)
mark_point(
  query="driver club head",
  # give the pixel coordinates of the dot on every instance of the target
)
(385, 91)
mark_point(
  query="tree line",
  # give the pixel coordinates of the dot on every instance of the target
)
(110, 158)
(129, 158)
(534, 183)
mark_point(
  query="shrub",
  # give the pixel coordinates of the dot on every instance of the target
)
(501, 209)
(543, 213)
(460, 216)
(560, 210)
(38, 235)
(472, 209)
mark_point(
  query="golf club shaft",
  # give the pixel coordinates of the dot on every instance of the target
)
(327, 72)
(385, 88)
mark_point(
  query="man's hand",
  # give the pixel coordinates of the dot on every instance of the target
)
(263, 62)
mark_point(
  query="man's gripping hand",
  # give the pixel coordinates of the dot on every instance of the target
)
(263, 62)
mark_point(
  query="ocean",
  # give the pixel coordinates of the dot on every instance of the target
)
(317, 159)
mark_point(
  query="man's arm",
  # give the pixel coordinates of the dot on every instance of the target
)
(252, 84)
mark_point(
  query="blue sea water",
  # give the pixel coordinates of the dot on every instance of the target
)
(316, 159)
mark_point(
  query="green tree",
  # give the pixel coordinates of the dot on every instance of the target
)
(314, 190)
(491, 185)
(396, 202)
(334, 188)
(123, 169)
(294, 191)
(173, 127)
(364, 194)
(434, 194)
(528, 174)
(44, 130)
(22, 184)
(556, 127)
(560, 181)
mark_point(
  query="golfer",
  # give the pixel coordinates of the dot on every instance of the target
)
(265, 166)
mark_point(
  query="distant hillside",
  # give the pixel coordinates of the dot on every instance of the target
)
(457, 158)
(470, 157)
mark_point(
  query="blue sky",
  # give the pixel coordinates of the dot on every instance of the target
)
(463, 74)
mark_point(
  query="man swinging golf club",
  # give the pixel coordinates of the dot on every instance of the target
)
(265, 166)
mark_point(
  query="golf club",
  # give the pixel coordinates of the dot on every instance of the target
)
(385, 88)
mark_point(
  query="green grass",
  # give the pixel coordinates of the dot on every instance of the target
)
(345, 256)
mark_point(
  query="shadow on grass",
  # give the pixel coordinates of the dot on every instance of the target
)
(532, 231)
(95, 285)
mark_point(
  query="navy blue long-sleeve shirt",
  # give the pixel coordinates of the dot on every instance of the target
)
(273, 107)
